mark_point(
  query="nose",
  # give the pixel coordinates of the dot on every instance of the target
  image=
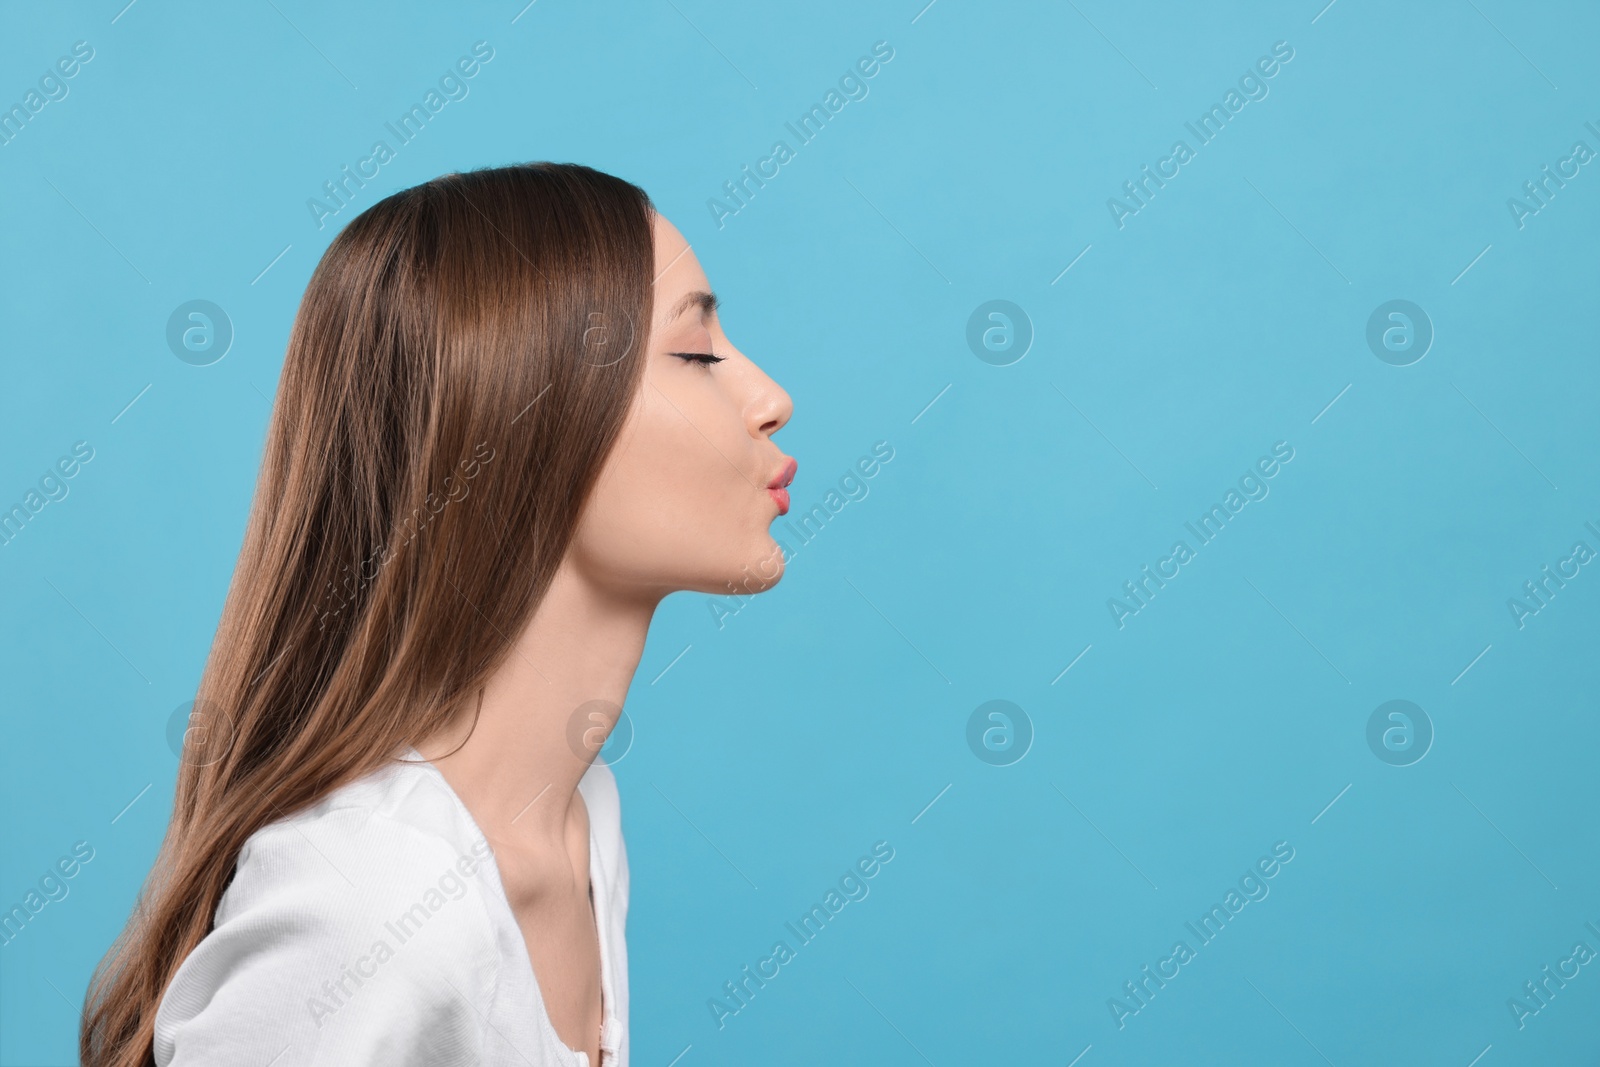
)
(769, 407)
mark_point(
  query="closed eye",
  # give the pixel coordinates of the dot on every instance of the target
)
(705, 359)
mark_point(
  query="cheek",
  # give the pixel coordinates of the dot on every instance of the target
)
(678, 501)
(680, 464)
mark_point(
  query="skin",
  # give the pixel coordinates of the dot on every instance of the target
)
(681, 504)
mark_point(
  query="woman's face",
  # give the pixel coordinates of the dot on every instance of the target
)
(684, 500)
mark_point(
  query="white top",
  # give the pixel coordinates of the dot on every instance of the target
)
(372, 928)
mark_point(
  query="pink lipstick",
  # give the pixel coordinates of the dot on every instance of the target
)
(778, 486)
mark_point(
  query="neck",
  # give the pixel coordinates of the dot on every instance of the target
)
(546, 711)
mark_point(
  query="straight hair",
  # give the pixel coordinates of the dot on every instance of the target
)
(462, 362)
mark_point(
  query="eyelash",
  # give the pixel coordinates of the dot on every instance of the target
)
(705, 359)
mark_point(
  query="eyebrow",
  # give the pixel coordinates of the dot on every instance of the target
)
(707, 302)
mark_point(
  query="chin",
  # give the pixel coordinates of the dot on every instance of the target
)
(761, 570)
(739, 569)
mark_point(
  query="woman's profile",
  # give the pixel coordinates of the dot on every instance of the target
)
(508, 425)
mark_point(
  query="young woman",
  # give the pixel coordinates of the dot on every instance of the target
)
(509, 423)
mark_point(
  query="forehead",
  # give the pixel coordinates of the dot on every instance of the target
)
(677, 270)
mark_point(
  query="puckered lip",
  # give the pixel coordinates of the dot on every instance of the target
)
(785, 475)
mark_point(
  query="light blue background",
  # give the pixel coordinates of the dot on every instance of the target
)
(826, 715)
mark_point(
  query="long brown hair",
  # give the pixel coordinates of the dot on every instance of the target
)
(461, 364)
